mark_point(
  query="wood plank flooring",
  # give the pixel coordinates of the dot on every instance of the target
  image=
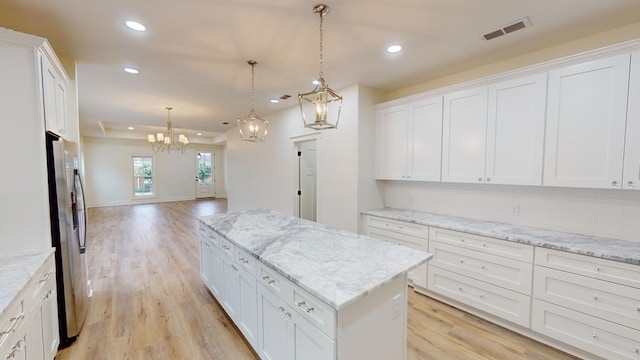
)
(149, 301)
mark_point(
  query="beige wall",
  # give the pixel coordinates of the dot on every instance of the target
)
(615, 36)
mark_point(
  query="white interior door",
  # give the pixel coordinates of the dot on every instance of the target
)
(307, 180)
(205, 169)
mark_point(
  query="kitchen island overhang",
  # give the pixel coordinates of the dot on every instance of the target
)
(357, 284)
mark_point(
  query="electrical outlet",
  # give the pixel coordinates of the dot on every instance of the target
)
(515, 210)
(396, 305)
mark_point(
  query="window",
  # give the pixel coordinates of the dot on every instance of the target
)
(142, 176)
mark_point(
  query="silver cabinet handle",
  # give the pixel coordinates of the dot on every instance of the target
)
(488, 179)
(630, 184)
(614, 183)
(480, 179)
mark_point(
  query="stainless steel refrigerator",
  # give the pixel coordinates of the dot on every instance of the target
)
(68, 233)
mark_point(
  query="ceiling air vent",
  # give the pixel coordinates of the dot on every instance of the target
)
(509, 28)
(285, 97)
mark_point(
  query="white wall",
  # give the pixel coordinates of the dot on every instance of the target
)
(605, 213)
(108, 172)
(261, 175)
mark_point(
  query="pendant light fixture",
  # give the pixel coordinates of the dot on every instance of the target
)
(322, 105)
(252, 127)
(166, 142)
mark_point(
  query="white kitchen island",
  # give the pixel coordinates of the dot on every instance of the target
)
(302, 290)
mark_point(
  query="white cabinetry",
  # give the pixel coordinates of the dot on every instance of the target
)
(211, 261)
(631, 171)
(409, 141)
(589, 303)
(54, 83)
(464, 133)
(495, 134)
(30, 328)
(586, 116)
(515, 131)
(411, 235)
(488, 274)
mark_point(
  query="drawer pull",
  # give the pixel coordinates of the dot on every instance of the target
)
(301, 305)
(481, 296)
(595, 297)
(637, 351)
(472, 264)
(594, 335)
(288, 314)
(13, 323)
(271, 281)
(281, 309)
(598, 268)
(234, 267)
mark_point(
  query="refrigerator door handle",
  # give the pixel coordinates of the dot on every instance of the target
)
(83, 245)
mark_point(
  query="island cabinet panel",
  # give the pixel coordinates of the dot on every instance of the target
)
(294, 306)
(586, 117)
(588, 303)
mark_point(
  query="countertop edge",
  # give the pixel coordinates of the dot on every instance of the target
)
(526, 235)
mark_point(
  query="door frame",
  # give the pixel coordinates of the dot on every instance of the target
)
(295, 144)
(196, 152)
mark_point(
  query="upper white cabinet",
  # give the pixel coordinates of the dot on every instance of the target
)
(54, 92)
(495, 134)
(464, 135)
(515, 131)
(409, 141)
(631, 171)
(586, 117)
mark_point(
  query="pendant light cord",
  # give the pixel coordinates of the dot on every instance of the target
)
(321, 39)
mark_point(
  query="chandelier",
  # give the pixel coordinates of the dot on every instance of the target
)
(322, 103)
(252, 127)
(167, 142)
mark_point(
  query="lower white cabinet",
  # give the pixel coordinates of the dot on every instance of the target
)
(285, 334)
(30, 329)
(588, 303)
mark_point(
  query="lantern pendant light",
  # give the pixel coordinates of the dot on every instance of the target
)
(322, 104)
(252, 127)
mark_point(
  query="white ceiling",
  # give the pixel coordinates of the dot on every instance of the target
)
(193, 55)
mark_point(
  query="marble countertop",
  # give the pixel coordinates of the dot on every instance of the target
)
(336, 266)
(611, 249)
(15, 272)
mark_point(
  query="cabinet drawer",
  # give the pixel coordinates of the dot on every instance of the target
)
(209, 234)
(398, 238)
(276, 283)
(502, 248)
(318, 313)
(40, 283)
(603, 338)
(228, 248)
(246, 261)
(11, 320)
(402, 227)
(617, 303)
(608, 270)
(506, 304)
(511, 274)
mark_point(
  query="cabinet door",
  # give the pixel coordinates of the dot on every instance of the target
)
(274, 340)
(586, 117)
(248, 307)
(463, 136)
(425, 139)
(631, 172)
(61, 107)
(515, 131)
(309, 343)
(392, 143)
(231, 292)
(215, 274)
(50, 336)
(205, 261)
(49, 95)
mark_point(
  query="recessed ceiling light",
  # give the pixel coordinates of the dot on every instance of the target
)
(134, 25)
(131, 70)
(225, 123)
(130, 128)
(274, 101)
(199, 134)
(394, 49)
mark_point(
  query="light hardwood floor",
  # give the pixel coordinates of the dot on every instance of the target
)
(149, 301)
